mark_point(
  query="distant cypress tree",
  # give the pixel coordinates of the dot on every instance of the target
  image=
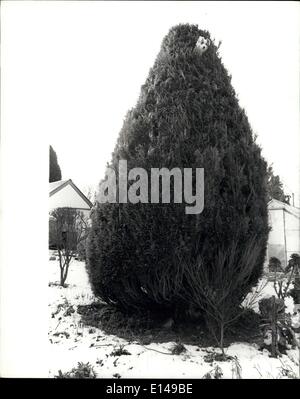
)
(275, 187)
(54, 169)
(188, 116)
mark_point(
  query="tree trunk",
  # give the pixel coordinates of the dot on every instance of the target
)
(61, 269)
(62, 277)
(222, 339)
(65, 272)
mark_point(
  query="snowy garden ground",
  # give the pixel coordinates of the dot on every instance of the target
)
(72, 342)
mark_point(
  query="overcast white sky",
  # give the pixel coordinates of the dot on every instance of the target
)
(83, 63)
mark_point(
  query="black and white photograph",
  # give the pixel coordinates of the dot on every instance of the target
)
(150, 191)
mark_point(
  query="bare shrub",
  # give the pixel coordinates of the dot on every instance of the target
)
(69, 230)
(220, 288)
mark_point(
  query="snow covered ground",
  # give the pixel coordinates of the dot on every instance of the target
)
(71, 342)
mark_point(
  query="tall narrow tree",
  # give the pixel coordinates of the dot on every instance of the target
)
(275, 187)
(187, 116)
(54, 169)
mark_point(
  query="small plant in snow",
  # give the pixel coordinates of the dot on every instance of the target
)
(282, 283)
(236, 369)
(69, 311)
(178, 348)
(100, 362)
(280, 328)
(216, 373)
(60, 306)
(83, 370)
(286, 371)
(218, 357)
(61, 334)
(120, 351)
(275, 325)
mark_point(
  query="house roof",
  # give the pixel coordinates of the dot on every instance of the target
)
(277, 205)
(56, 186)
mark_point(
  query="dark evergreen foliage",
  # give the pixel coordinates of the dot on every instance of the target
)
(187, 115)
(275, 187)
(54, 169)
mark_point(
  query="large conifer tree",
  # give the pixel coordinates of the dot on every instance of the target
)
(187, 115)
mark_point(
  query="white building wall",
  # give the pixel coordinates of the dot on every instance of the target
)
(68, 197)
(284, 237)
(292, 234)
(276, 245)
